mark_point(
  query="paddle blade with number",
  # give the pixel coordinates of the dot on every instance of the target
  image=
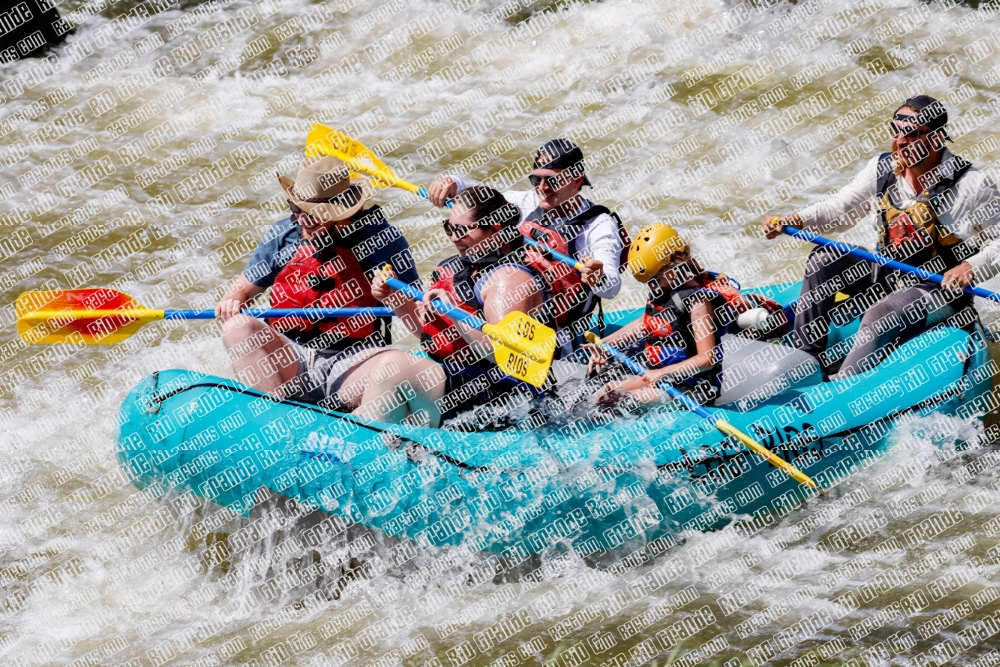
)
(99, 316)
(523, 347)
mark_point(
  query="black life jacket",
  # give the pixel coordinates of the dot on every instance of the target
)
(669, 332)
(915, 235)
(566, 233)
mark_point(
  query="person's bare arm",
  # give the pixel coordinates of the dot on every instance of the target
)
(507, 290)
(704, 335)
(240, 292)
(403, 306)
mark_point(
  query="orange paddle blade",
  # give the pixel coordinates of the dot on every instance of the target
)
(95, 316)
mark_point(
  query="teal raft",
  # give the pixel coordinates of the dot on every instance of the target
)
(599, 487)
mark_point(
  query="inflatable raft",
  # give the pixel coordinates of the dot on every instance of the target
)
(592, 485)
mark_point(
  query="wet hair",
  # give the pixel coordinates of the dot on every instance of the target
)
(488, 207)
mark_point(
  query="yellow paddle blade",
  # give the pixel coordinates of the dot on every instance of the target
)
(324, 137)
(771, 458)
(523, 347)
(323, 140)
(521, 367)
(92, 316)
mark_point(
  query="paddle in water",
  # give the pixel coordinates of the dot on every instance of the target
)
(717, 421)
(523, 346)
(99, 316)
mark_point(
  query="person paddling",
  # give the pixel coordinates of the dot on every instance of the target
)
(488, 277)
(934, 210)
(321, 256)
(556, 214)
(688, 311)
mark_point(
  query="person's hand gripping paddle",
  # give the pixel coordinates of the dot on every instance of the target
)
(523, 346)
(716, 420)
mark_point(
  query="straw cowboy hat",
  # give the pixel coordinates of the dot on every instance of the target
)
(324, 189)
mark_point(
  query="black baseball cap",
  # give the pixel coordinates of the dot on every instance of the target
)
(930, 112)
(561, 154)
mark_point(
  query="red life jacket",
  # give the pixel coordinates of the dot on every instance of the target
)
(569, 295)
(323, 278)
(576, 301)
(440, 337)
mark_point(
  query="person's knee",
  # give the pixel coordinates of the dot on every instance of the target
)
(239, 328)
(881, 314)
(821, 258)
(386, 367)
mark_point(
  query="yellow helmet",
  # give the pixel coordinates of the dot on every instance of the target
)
(652, 249)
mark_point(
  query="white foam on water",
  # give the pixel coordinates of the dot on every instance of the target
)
(182, 601)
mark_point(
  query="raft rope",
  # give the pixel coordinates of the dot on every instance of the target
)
(330, 413)
(926, 403)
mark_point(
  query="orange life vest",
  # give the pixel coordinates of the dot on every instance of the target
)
(915, 234)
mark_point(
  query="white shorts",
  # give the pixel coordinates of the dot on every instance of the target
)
(320, 373)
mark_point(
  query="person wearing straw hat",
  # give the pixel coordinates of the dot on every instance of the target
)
(322, 256)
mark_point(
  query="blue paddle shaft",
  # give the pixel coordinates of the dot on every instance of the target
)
(688, 402)
(884, 261)
(565, 259)
(439, 305)
(313, 313)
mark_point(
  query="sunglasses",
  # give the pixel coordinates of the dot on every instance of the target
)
(461, 231)
(554, 182)
(303, 218)
(900, 131)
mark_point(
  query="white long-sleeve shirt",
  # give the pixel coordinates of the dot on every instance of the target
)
(598, 239)
(976, 208)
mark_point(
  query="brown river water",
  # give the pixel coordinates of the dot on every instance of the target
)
(141, 155)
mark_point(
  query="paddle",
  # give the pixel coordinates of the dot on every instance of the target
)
(719, 423)
(98, 316)
(523, 346)
(884, 261)
(323, 140)
(565, 259)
